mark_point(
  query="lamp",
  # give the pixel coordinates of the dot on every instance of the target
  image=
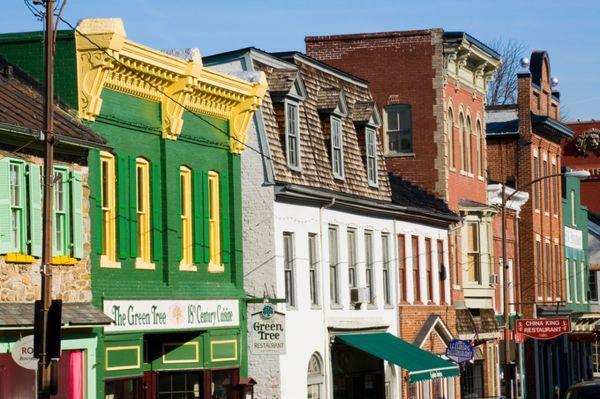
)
(246, 388)
(580, 174)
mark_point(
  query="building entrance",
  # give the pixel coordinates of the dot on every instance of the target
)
(356, 374)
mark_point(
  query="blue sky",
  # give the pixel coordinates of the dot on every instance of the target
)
(568, 30)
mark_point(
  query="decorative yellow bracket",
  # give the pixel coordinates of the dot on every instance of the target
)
(106, 58)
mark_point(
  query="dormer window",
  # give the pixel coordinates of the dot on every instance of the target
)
(371, 146)
(292, 135)
(337, 148)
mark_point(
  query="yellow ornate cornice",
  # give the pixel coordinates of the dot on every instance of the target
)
(175, 83)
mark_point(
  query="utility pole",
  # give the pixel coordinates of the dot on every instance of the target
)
(506, 278)
(44, 366)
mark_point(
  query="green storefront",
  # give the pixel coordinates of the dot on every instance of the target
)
(165, 206)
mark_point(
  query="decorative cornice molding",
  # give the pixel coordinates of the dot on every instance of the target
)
(107, 59)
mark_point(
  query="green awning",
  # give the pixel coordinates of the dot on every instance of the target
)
(420, 364)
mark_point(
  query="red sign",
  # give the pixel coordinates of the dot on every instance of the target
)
(543, 328)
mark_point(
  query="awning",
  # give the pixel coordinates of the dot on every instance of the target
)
(420, 364)
(20, 315)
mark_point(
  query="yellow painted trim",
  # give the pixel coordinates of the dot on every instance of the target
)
(121, 348)
(109, 264)
(192, 343)
(187, 220)
(63, 260)
(176, 83)
(109, 211)
(143, 215)
(184, 267)
(143, 265)
(227, 341)
(216, 268)
(18, 258)
(214, 221)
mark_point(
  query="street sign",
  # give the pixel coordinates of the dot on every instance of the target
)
(543, 328)
(459, 351)
(267, 331)
(22, 353)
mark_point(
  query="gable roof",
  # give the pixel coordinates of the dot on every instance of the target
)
(22, 107)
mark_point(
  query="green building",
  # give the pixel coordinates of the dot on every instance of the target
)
(576, 347)
(165, 208)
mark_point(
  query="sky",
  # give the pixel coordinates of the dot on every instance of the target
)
(568, 30)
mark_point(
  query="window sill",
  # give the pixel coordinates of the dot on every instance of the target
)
(215, 268)
(404, 155)
(336, 306)
(108, 263)
(388, 306)
(187, 267)
(143, 265)
(63, 261)
(480, 178)
(371, 306)
(290, 307)
(316, 307)
(18, 258)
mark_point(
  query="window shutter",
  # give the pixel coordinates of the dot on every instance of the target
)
(155, 203)
(133, 224)
(95, 186)
(123, 207)
(205, 218)
(198, 215)
(225, 223)
(35, 209)
(77, 213)
(5, 241)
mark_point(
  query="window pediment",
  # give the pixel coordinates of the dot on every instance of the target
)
(332, 101)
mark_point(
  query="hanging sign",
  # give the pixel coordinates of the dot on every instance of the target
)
(136, 315)
(543, 328)
(22, 353)
(267, 331)
(459, 351)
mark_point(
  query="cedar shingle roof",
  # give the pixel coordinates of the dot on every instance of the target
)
(281, 80)
(328, 99)
(314, 132)
(363, 111)
(22, 105)
(407, 194)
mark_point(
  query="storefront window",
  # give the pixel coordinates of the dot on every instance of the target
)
(129, 388)
(471, 380)
(180, 385)
(223, 384)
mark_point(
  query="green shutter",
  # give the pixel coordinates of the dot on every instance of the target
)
(205, 218)
(133, 227)
(5, 241)
(35, 209)
(225, 227)
(95, 186)
(77, 213)
(198, 212)
(123, 206)
(155, 203)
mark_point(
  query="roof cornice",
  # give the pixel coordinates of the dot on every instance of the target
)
(177, 84)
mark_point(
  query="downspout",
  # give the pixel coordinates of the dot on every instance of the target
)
(327, 351)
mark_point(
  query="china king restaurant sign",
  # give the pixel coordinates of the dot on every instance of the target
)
(136, 315)
(543, 328)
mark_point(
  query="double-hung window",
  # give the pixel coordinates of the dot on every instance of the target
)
(402, 267)
(352, 258)
(109, 213)
(142, 195)
(288, 268)
(313, 259)
(185, 187)
(399, 134)
(536, 188)
(334, 293)
(369, 273)
(429, 269)
(371, 147)
(473, 253)
(62, 236)
(441, 271)
(337, 148)
(415, 269)
(292, 135)
(385, 256)
(18, 231)
(546, 191)
(214, 220)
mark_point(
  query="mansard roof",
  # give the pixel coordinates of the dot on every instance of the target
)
(326, 89)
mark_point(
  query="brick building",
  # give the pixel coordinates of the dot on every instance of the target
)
(431, 86)
(523, 144)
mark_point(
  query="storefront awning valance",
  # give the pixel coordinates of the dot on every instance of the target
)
(420, 364)
(20, 315)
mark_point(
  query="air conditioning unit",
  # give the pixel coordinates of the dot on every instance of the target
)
(494, 279)
(359, 295)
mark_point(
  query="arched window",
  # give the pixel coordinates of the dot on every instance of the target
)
(450, 135)
(315, 378)
(468, 152)
(479, 137)
(461, 141)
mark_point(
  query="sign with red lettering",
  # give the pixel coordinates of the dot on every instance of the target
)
(22, 353)
(543, 328)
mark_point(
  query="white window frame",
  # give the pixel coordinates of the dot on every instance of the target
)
(371, 155)
(338, 174)
(289, 269)
(297, 166)
(314, 270)
(400, 132)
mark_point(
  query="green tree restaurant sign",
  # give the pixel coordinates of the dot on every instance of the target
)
(137, 315)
